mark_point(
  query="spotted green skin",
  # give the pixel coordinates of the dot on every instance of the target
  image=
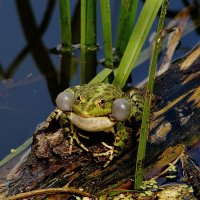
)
(95, 100)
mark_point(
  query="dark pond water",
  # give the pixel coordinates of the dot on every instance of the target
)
(25, 97)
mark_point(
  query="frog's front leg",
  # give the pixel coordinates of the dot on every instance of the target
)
(54, 116)
(70, 130)
(120, 138)
(73, 136)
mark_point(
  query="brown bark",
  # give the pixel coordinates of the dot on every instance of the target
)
(175, 120)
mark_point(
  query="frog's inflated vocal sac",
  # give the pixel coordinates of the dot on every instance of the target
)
(100, 107)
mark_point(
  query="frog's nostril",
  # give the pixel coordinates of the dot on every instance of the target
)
(64, 101)
(121, 109)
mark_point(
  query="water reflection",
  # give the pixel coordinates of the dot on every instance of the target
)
(37, 48)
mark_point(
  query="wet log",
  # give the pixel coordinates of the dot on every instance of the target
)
(175, 119)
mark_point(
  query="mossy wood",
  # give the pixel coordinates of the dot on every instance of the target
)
(175, 120)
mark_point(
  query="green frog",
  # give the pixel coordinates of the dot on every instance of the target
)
(96, 108)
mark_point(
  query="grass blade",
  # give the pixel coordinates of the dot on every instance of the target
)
(127, 15)
(88, 36)
(17, 151)
(138, 37)
(101, 76)
(107, 32)
(88, 23)
(88, 65)
(65, 25)
(139, 173)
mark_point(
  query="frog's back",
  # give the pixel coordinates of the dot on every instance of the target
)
(92, 91)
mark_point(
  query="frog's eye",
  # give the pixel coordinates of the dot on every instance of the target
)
(100, 102)
(64, 101)
(78, 98)
(121, 109)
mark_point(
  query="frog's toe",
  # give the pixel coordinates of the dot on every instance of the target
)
(108, 154)
(73, 137)
(109, 159)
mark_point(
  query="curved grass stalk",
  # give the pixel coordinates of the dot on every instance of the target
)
(139, 173)
(48, 191)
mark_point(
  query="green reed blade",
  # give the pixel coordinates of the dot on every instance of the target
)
(139, 173)
(17, 151)
(107, 32)
(88, 65)
(127, 15)
(88, 23)
(101, 76)
(88, 36)
(138, 37)
(65, 25)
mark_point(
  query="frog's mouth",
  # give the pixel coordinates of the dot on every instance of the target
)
(91, 124)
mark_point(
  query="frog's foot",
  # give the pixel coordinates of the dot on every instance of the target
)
(83, 136)
(73, 136)
(109, 154)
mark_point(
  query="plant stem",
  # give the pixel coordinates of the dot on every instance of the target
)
(88, 35)
(88, 24)
(107, 32)
(139, 173)
(48, 191)
(17, 151)
(127, 14)
(65, 25)
(138, 37)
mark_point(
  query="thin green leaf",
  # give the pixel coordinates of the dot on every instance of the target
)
(101, 76)
(107, 32)
(88, 35)
(139, 173)
(88, 23)
(17, 151)
(127, 15)
(88, 65)
(138, 37)
(65, 25)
